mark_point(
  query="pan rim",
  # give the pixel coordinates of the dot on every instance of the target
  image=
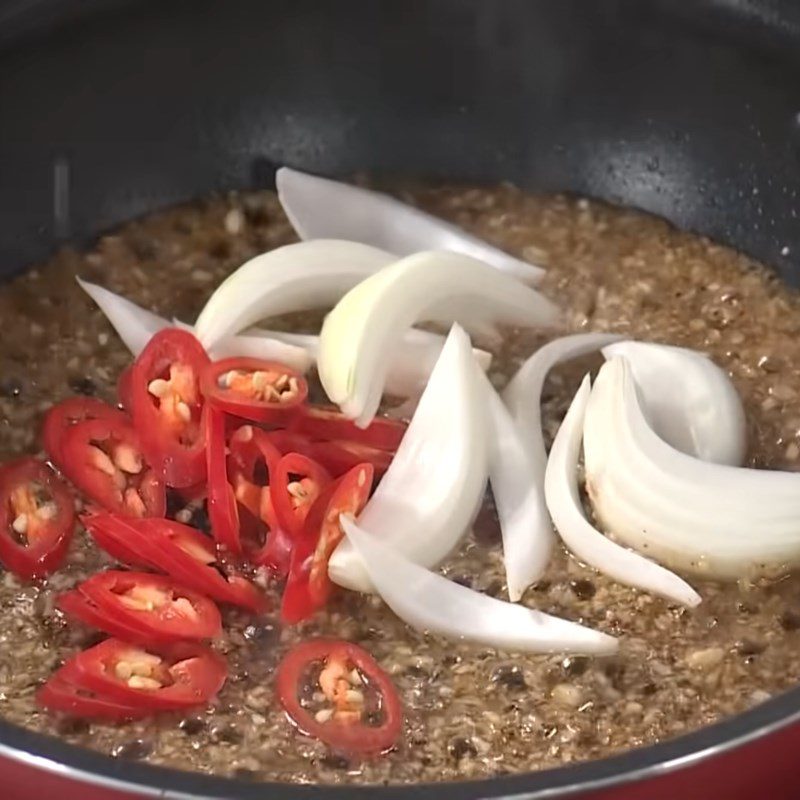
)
(58, 757)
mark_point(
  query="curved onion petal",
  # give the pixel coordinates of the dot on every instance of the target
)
(690, 402)
(519, 499)
(135, 325)
(589, 544)
(523, 394)
(711, 519)
(429, 602)
(433, 488)
(409, 367)
(255, 345)
(295, 277)
(367, 322)
(319, 208)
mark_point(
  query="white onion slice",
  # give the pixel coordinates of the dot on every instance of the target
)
(367, 322)
(253, 344)
(429, 602)
(585, 541)
(523, 394)
(714, 520)
(295, 277)
(433, 488)
(689, 401)
(319, 208)
(135, 325)
(410, 366)
(409, 370)
(519, 498)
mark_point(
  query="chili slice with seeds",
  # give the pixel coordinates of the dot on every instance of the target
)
(222, 512)
(155, 604)
(297, 483)
(69, 412)
(64, 694)
(37, 518)
(176, 549)
(261, 391)
(308, 586)
(81, 608)
(166, 404)
(352, 705)
(104, 459)
(165, 677)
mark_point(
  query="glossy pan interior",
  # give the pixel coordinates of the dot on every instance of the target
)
(112, 109)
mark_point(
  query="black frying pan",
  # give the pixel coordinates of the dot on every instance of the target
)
(690, 110)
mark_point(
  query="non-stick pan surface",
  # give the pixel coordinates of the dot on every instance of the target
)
(689, 110)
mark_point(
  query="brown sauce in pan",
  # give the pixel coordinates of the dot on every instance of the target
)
(471, 712)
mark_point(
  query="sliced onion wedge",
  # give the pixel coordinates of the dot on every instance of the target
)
(519, 499)
(713, 520)
(296, 277)
(429, 602)
(523, 394)
(254, 344)
(135, 325)
(319, 208)
(433, 488)
(371, 318)
(689, 401)
(585, 541)
(410, 366)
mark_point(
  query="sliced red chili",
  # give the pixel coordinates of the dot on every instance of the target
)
(165, 677)
(167, 405)
(276, 553)
(64, 694)
(176, 549)
(222, 512)
(335, 691)
(68, 412)
(251, 466)
(37, 518)
(308, 586)
(104, 459)
(337, 456)
(296, 484)
(154, 604)
(261, 391)
(81, 608)
(327, 422)
(125, 388)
